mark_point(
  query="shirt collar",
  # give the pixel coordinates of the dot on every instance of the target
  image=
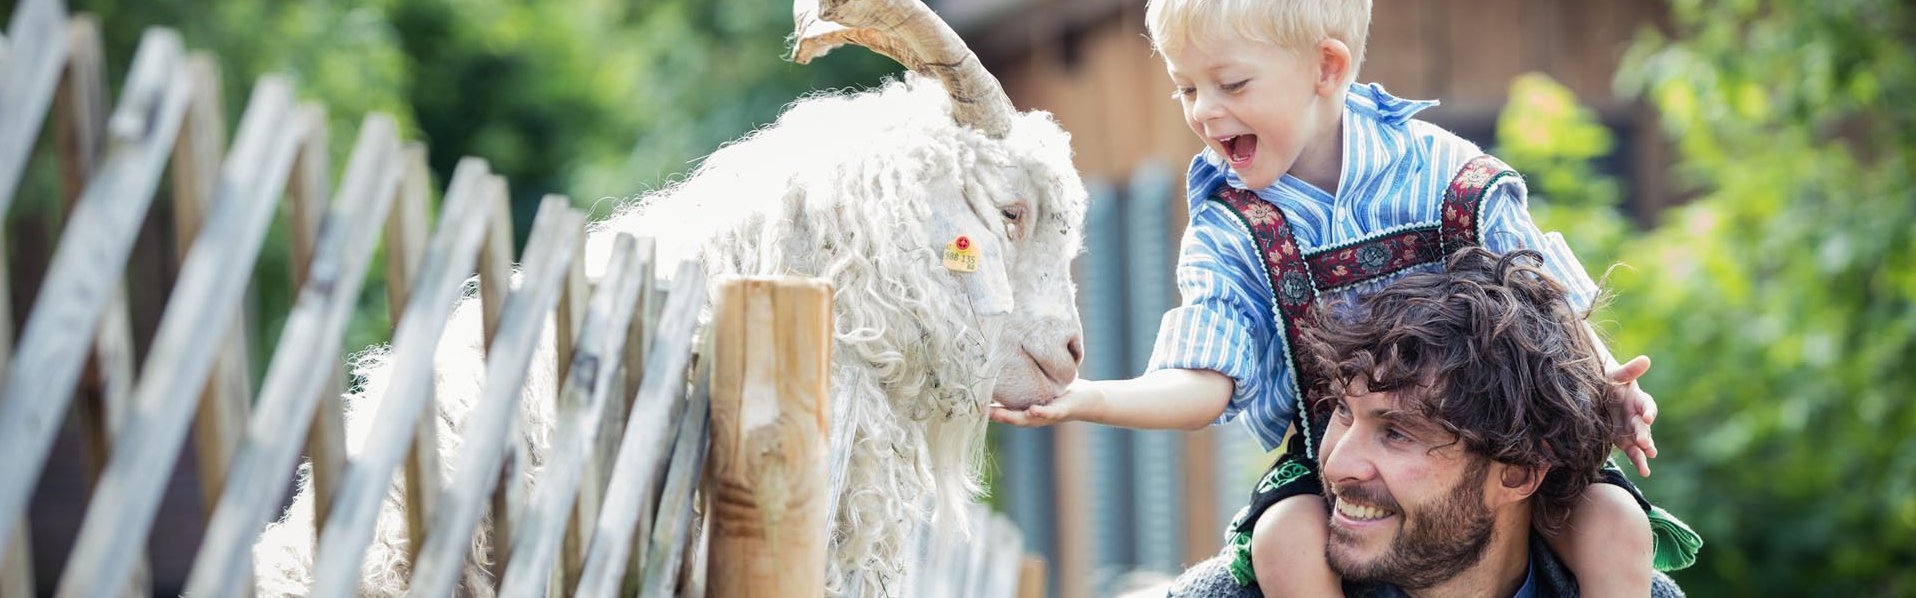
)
(1371, 115)
(1529, 587)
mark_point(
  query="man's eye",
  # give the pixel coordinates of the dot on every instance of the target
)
(1342, 411)
(1393, 434)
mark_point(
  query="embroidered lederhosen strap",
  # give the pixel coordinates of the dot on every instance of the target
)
(1297, 278)
(1291, 285)
(1464, 201)
(1344, 265)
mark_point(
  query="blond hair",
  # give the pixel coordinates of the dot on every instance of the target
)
(1295, 24)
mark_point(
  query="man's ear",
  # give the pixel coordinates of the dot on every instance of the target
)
(1333, 66)
(1516, 482)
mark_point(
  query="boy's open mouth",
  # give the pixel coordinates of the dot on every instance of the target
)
(1240, 148)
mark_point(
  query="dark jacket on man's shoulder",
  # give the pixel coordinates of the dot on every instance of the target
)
(1212, 579)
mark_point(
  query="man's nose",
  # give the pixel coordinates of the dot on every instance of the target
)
(1341, 457)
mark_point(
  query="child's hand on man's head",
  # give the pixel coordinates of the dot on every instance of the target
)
(1639, 409)
(1069, 406)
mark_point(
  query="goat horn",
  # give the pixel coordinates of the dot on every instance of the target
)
(907, 31)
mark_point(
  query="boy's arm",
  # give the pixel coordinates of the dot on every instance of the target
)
(1177, 399)
(1208, 360)
(1607, 543)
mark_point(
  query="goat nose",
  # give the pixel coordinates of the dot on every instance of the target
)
(1075, 346)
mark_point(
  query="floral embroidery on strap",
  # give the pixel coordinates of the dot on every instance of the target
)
(1341, 267)
(1464, 199)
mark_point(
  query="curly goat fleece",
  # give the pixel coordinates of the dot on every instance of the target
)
(839, 188)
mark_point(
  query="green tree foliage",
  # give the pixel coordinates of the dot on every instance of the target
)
(601, 100)
(1780, 304)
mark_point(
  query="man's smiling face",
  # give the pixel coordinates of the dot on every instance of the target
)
(1408, 501)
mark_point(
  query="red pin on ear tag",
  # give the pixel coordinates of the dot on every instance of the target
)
(960, 255)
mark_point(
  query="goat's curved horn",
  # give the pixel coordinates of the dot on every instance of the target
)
(908, 32)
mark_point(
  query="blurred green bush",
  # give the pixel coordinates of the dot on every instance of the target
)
(601, 100)
(1779, 304)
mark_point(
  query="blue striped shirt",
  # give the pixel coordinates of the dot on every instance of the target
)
(1393, 177)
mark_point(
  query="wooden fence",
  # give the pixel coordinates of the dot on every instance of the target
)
(614, 507)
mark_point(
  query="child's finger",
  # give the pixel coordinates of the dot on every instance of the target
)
(1642, 440)
(1007, 416)
(997, 414)
(1630, 371)
(1649, 409)
(1636, 457)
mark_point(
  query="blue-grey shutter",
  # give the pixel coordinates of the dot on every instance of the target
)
(1102, 309)
(1157, 456)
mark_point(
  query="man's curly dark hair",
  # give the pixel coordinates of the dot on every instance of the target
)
(1490, 350)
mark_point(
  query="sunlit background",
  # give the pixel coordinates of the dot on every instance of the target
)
(1748, 162)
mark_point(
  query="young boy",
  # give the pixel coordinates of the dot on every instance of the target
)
(1309, 189)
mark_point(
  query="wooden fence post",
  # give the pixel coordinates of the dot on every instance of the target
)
(226, 397)
(1031, 577)
(768, 422)
(104, 397)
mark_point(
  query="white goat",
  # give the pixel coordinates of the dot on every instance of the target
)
(863, 189)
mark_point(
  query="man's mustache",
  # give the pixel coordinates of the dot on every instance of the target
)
(1365, 495)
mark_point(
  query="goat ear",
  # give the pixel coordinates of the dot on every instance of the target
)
(989, 289)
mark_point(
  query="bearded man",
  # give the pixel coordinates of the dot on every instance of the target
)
(1467, 411)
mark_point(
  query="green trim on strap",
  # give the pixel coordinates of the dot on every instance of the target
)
(1289, 472)
(1676, 543)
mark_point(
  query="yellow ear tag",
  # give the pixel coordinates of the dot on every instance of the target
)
(961, 255)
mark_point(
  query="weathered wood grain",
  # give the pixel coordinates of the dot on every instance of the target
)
(452, 253)
(35, 51)
(582, 399)
(768, 437)
(671, 530)
(209, 289)
(294, 385)
(549, 250)
(86, 268)
(646, 443)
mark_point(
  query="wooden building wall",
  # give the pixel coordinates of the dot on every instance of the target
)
(1089, 63)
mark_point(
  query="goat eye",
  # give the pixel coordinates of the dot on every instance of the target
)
(1012, 214)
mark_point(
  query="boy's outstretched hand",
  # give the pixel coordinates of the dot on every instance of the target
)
(1639, 408)
(1070, 406)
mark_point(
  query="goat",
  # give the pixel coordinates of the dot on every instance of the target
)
(866, 190)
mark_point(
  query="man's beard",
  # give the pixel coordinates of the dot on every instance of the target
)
(1432, 545)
